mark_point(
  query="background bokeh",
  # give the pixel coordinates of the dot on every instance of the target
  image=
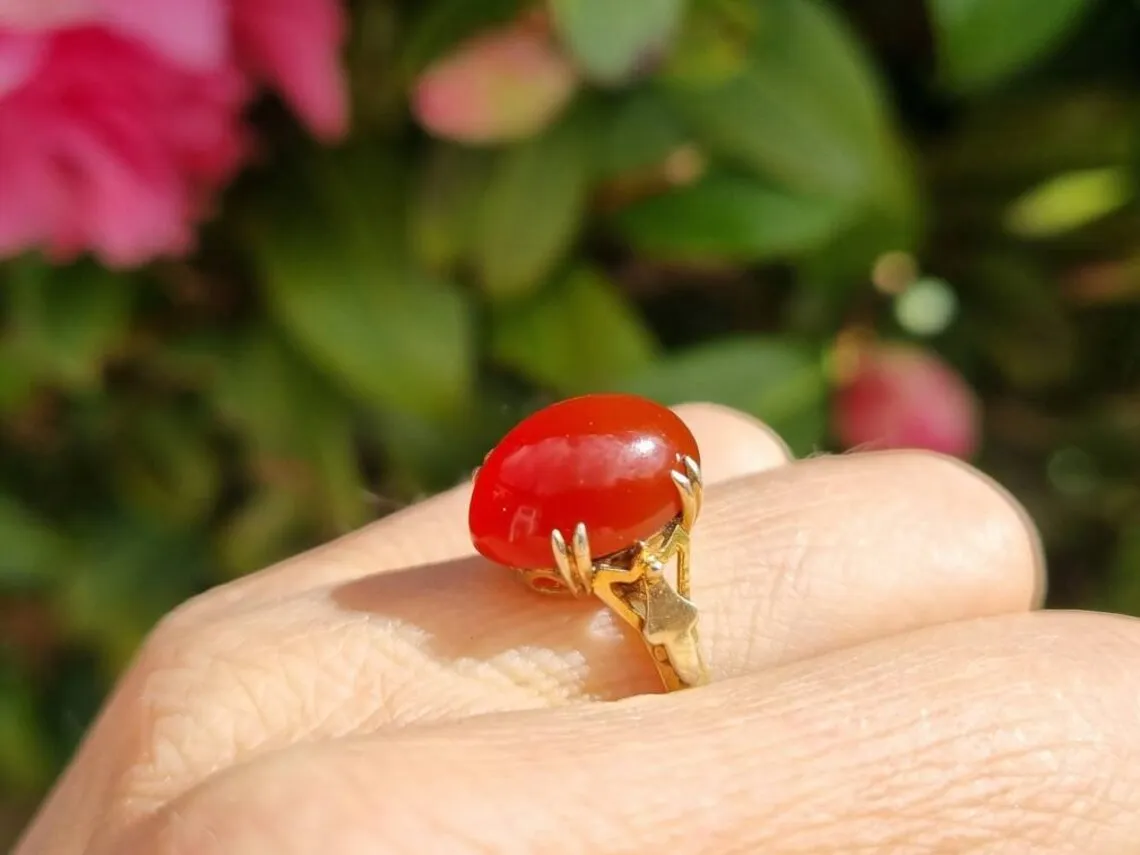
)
(870, 223)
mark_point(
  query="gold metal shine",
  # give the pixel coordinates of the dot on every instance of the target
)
(633, 584)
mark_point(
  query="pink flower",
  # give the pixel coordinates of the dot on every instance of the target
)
(294, 45)
(104, 147)
(504, 84)
(191, 33)
(121, 119)
(900, 396)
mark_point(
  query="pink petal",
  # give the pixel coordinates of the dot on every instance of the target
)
(189, 32)
(31, 194)
(20, 53)
(46, 14)
(132, 210)
(295, 46)
(110, 148)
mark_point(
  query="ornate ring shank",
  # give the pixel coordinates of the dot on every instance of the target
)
(666, 621)
(679, 662)
(634, 587)
(632, 583)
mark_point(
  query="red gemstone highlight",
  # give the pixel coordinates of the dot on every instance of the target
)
(603, 460)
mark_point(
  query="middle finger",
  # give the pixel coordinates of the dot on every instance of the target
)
(788, 564)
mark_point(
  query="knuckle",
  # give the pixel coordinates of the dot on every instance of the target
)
(201, 696)
(186, 617)
(209, 695)
(929, 475)
(990, 527)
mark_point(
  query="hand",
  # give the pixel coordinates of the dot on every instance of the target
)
(881, 686)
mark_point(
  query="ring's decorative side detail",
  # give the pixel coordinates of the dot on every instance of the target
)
(597, 496)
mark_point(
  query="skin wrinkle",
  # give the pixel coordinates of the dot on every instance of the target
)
(968, 786)
(974, 702)
(196, 679)
(303, 676)
(787, 795)
(798, 570)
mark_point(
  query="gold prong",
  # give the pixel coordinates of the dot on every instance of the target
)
(564, 561)
(573, 561)
(580, 545)
(693, 470)
(683, 582)
(689, 486)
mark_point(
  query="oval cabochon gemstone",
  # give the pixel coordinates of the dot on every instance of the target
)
(603, 460)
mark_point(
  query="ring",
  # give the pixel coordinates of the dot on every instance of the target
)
(597, 496)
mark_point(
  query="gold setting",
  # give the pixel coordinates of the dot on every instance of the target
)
(634, 586)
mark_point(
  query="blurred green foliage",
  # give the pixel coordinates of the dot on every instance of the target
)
(702, 223)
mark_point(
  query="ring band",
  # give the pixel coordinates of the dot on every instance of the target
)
(597, 496)
(633, 585)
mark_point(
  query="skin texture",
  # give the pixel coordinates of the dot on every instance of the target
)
(881, 686)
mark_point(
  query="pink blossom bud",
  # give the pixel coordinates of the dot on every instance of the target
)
(900, 396)
(504, 84)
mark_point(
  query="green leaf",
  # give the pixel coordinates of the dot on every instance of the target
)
(729, 217)
(393, 339)
(445, 23)
(851, 253)
(715, 40)
(580, 335)
(67, 321)
(642, 130)
(445, 208)
(809, 117)
(300, 430)
(534, 207)
(128, 571)
(30, 546)
(17, 378)
(25, 755)
(269, 392)
(612, 41)
(165, 463)
(1069, 201)
(776, 380)
(807, 113)
(424, 458)
(981, 42)
(337, 277)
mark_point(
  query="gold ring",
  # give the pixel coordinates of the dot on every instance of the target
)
(597, 496)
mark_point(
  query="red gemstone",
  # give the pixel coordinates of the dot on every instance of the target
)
(602, 460)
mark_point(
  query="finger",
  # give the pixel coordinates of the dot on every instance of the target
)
(1013, 735)
(791, 563)
(254, 664)
(732, 445)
